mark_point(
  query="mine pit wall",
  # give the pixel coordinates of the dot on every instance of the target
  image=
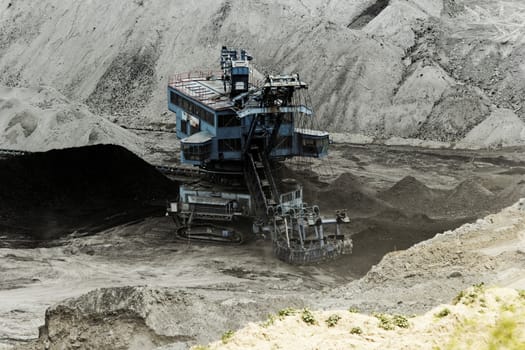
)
(48, 194)
(119, 64)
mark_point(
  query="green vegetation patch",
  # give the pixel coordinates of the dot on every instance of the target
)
(332, 320)
(443, 313)
(286, 312)
(390, 322)
(356, 330)
(308, 317)
(227, 336)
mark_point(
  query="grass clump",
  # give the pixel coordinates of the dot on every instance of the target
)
(353, 310)
(356, 330)
(227, 336)
(286, 312)
(385, 321)
(389, 322)
(400, 321)
(470, 296)
(466, 298)
(332, 320)
(200, 347)
(308, 317)
(458, 297)
(443, 313)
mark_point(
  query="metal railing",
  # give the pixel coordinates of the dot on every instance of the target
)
(193, 75)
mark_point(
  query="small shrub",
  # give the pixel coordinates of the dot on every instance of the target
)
(400, 321)
(385, 321)
(226, 337)
(308, 317)
(286, 312)
(332, 320)
(480, 287)
(465, 298)
(443, 313)
(482, 302)
(200, 347)
(458, 298)
(353, 310)
(388, 322)
(356, 330)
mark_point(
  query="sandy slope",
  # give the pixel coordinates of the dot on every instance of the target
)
(478, 319)
(417, 69)
(489, 250)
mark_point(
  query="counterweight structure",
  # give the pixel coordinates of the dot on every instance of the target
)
(237, 133)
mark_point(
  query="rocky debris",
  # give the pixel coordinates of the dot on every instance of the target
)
(51, 193)
(145, 317)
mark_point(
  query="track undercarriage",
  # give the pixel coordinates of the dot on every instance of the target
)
(210, 212)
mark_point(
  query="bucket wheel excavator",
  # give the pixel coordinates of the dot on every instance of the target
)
(237, 132)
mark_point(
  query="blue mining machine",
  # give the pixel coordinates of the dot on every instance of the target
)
(237, 132)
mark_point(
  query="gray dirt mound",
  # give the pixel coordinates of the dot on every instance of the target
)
(144, 317)
(413, 196)
(469, 198)
(349, 192)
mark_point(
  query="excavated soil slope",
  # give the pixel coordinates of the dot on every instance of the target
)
(434, 70)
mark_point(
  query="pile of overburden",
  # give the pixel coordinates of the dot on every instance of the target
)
(48, 194)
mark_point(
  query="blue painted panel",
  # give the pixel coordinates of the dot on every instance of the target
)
(232, 155)
(240, 71)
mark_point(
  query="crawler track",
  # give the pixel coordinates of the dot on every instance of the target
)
(209, 233)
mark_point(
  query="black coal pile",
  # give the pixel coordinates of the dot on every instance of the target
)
(49, 194)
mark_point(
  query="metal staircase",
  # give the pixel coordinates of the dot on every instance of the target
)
(260, 182)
